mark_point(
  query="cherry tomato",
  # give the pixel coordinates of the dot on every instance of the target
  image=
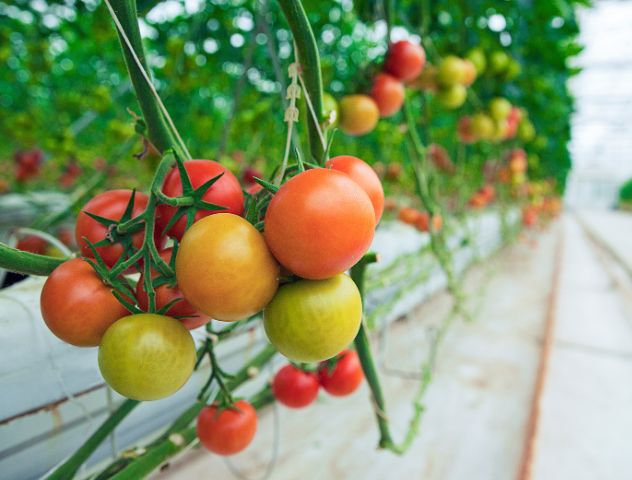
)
(313, 320)
(248, 176)
(225, 192)
(295, 388)
(346, 376)
(166, 294)
(146, 356)
(227, 431)
(405, 60)
(319, 223)
(224, 268)
(362, 174)
(477, 57)
(111, 205)
(529, 216)
(452, 97)
(388, 93)
(408, 215)
(358, 114)
(469, 75)
(499, 108)
(77, 306)
(423, 222)
(482, 126)
(440, 158)
(452, 71)
(464, 130)
(32, 244)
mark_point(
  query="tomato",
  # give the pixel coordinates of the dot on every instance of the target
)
(313, 320)
(166, 294)
(477, 57)
(499, 108)
(388, 93)
(28, 164)
(358, 114)
(331, 110)
(319, 223)
(423, 222)
(295, 388)
(362, 174)
(518, 161)
(146, 356)
(227, 431)
(111, 205)
(529, 216)
(526, 130)
(440, 158)
(405, 60)
(225, 192)
(464, 130)
(224, 268)
(452, 97)
(248, 175)
(469, 75)
(482, 126)
(452, 71)
(346, 376)
(488, 192)
(498, 61)
(394, 171)
(32, 244)
(77, 306)
(478, 200)
(408, 215)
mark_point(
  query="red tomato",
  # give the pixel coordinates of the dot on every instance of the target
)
(362, 174)
(405, 60)
(488, 192)
(440, 158)
(409, 215)
(166, 294)
(464, 130)
(77, 306)
(423, 222)
(295, 388)
(32, 244)
(345, 377)
(388, 93)
(319, 224)
(248, 175)
(111, 205)
(228, 431)
(529, 216)
(225, 192)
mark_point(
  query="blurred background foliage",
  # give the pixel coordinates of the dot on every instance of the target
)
(221, 69)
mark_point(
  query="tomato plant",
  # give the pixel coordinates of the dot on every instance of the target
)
(319, 223)
(146, 356)
(225, 192)
(295, 388)
(110, 205)
(77, 306)
(313, 320)
(228, 430)
(224, 268)
(344, 377)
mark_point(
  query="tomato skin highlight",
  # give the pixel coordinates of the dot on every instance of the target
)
(359, 114)
(77, 306)
(146, 356)
(313, 320)
(295, 388)
(346, 376)
(165, 295)
(388, 93)
(228, 431)
(405, 60)
(362, 174)
(111, 205)
(225, 269)
(225, 192)
(319, 223)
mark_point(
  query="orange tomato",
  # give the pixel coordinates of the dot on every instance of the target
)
(388, 93)
(358, 114)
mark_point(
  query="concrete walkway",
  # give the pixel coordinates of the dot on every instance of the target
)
(482, 414)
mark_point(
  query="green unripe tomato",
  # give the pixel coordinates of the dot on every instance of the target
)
(331, 112)
(513, 69)
(498, 62)
(482, 126)
(313, 320)
(526, 131)
(146, 356)
(499, 108)
(477, 57)
(452, 71)
(452, 97)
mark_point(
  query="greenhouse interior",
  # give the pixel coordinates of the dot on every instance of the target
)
(303, 239)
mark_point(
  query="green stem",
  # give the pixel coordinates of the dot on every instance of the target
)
(310, 67)
(69, 468)
(159, 132)
(27, 263)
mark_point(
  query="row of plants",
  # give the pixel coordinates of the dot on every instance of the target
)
(447, 121)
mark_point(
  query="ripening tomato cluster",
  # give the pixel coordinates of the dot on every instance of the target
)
(317, 226)
(360, 113)
(501, 121)
(297, 388)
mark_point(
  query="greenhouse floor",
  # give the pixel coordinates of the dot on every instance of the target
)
(537, 386)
